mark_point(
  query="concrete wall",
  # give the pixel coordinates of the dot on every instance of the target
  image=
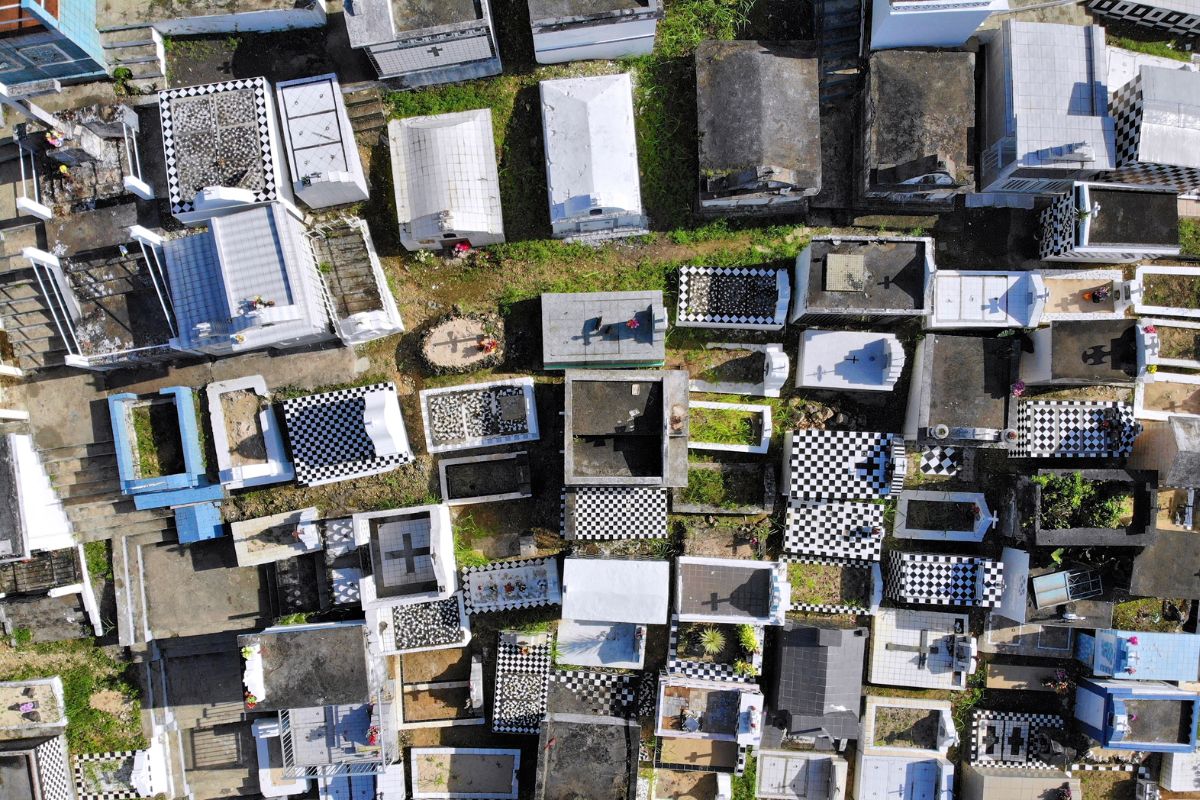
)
(917, 25)
(247, 21)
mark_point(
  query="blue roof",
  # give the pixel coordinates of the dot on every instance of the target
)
(1140, 655)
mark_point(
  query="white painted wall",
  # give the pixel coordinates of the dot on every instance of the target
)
(926, 24)
(247, 21)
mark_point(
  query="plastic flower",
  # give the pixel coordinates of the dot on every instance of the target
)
(633, 324)
(1018, 389)
(1150, 329)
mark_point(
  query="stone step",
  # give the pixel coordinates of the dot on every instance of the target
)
(83, 450)
(71, 470)
(222, 714)
(127, 37)
(130, 54)
(160, 527)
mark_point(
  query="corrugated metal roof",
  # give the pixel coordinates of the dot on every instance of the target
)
(591, 147)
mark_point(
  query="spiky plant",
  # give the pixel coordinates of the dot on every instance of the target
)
(712, 641)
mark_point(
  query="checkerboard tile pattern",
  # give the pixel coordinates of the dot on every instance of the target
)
(619, 512)
(607, 693)
(53, 770)
(1058, 228)
(1003, 738)
(181, 135)
(86, 762)
(521, 680)
(933, 579)
(831, 465)
(839, 529)
(746, 296)
(1127, 108)
(329, 440)
(1149, 14)
(1074, 429)
(703, 670)
(938, 460)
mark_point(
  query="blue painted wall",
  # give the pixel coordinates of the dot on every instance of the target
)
(68, 49)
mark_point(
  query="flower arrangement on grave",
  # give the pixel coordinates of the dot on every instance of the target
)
(251, 700)
(1018, 389)
(373, 735)
(488, 344)
(1149, 329)
(633, 324)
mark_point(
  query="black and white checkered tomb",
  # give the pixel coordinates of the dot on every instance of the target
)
(834, 465)
(220, 125)
(53, 769)
(1127, 108)
(521, 679)
(619, 512)
(120, 760)
(747, 296)
(1002, 738)
(329, 437)
(833, 529)
(420, 626)
(938, 460)
(1058, 223)
(944, 580)
(1074, 429)
(605, 693)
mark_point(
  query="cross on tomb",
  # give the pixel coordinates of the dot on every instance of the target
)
(434, 51)
(408, 554)
(1016, 740)
(990, 739)
(714, 601)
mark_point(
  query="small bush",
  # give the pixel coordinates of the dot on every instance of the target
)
(1070, 501)
(745, 668)
(747, 638)
(712, 641)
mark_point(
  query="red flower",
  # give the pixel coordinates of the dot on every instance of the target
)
(632, 324)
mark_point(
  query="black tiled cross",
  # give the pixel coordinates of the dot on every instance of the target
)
(408, 554)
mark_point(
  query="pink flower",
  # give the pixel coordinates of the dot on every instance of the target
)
(632, 324)
(1150, 329)
(1133, 640)
(1018, 389)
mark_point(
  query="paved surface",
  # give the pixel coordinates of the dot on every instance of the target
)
(199, 589)
(55, 399)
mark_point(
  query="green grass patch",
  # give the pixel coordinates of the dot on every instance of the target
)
(1161, 49)
(22, 637)
(299, 618)
(87, 672)
(1070, 501)
(1189, 236)
(157, 440)
(723, 426)
(1145, 614)
(95, 555)
(744, 785)
(466, 532)
(707, 487)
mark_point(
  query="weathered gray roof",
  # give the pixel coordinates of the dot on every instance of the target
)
(12, 532)
(305, 667)
(757, 106)
(819, 679)
(918, 104)
(568, 9)
(1186, 469)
